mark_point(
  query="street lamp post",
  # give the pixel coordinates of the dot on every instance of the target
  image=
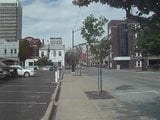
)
(73, 62)
(72, 39)
(73, 67)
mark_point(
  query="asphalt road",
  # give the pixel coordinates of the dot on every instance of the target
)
(26, 98)
(140, 90)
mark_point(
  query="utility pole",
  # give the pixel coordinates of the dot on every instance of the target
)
(73, 66)
(72, 39)
(80, 59)
(100, 70)
(87, 55)
(73, 62)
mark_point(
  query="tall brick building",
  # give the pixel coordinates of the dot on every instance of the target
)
(35, 44)
(121, 34)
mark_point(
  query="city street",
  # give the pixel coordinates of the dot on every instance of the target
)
(26, 98)
(140, 90)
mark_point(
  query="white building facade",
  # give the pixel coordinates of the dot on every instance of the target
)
(9, 50)
(10, 29)
(55, 51)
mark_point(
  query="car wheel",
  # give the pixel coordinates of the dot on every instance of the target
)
(26, 74)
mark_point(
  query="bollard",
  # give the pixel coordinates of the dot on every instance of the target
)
(56, 77)
(57, 74)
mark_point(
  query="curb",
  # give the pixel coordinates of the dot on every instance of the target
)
(53, 100)
(48, 112)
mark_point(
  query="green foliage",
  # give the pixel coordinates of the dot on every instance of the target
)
(92, 28)
(148, 41)
(44, 61)
(72, 56)
(101, 49)
(104, 48)
(143, 7)
(24, 50)
(147, 14)
(92, 32)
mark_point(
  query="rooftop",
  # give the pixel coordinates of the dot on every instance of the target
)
(117, 22)
(53, 47)
(9, 1)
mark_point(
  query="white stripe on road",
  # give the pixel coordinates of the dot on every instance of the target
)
(25, 92)
(152, 91)
(49, 86)
(24, 103)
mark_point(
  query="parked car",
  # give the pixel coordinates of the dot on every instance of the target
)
(3, 73)
(48, 68)
(9, 71)
(23, 72)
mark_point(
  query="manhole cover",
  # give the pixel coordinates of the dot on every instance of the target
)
(102, 95)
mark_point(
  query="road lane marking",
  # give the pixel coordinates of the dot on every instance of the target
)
(152, 91)
(50, 86)
(25, 103)
(25, 92)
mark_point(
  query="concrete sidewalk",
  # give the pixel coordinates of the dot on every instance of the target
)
(73, 103)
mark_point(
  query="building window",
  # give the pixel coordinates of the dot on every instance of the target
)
(123, 39)
(54, 53)
(136, 35)
(60, 53)
(5, 51)
(138, 63)
(31, 64)
(59, 64)
(138, 54)
(34, 45)
(11, 51)
(42, 54)
(15, 51)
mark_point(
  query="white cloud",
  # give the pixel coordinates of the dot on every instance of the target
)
(57, 19)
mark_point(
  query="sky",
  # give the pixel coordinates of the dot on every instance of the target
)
(44, 19)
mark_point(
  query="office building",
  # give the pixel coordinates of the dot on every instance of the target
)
(122, 36)
(10, 20)
(10, 28)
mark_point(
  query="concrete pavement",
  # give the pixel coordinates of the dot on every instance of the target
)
(73, 103)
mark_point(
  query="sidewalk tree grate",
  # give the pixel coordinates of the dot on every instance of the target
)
(102, 95)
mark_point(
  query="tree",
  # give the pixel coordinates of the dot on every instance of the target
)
(148, 41)
(72, 55)
(145, 9)
(145, 12)
(103, 48)
(24, 50)
(44, 61)
(92, 31)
